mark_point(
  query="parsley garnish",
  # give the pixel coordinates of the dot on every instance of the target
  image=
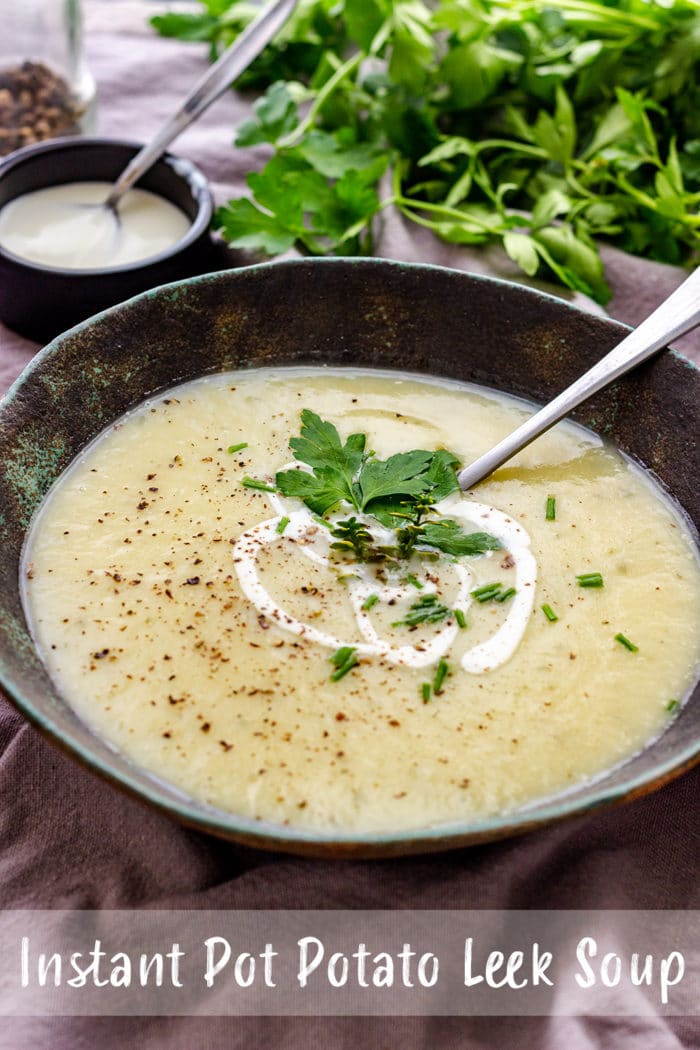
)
(399, 492)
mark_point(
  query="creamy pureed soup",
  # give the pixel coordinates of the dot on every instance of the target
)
(419, 657)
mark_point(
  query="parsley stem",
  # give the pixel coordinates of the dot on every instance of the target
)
(328, 88)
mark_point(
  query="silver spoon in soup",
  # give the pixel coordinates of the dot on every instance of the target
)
(678, 314)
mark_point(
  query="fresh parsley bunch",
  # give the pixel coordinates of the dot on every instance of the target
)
(545, 126)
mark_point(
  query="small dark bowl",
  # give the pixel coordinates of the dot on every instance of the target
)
(341, 312)
(40, 301)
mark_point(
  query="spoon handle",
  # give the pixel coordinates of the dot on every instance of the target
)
(215, 81)
(672, 319)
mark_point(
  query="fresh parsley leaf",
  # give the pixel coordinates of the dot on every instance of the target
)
(321, 491)
(319, 446)
(275, 116)
(405, 474)
(334, 465)
(246, 226)
(449, 537)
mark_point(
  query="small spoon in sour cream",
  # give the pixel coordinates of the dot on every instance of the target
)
(215, 81)
(86, 225)
(673, 318)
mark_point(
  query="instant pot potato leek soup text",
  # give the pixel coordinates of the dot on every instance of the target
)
(267, 588)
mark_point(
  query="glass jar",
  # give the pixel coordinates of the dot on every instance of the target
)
(46, 89)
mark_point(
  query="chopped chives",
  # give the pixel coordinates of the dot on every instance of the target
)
(253, 483)
(627, 643)
(282, 524)
(345, 669)
(340, 656)
(550, 613)
(426, 609)
(551, 509)
(460, 618)
(369, 601)
(672, 705)
(414, 582)
(425, 692)
(322, 521)
(487, 592)
(590, 579)
(440, 676)
(344, 660)
(505, 595)
(237, 448)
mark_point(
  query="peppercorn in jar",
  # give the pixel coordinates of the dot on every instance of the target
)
(46, 90)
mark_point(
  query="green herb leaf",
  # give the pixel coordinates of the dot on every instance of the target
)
(449, 537)
(405, 474)
(275, 116)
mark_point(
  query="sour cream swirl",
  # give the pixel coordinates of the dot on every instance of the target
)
(314, 543)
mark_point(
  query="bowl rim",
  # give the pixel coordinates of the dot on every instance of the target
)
(333, 843)
(182, 167)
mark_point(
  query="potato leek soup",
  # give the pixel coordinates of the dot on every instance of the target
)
(267, 588)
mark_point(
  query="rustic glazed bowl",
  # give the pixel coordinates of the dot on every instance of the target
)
(341, 312)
